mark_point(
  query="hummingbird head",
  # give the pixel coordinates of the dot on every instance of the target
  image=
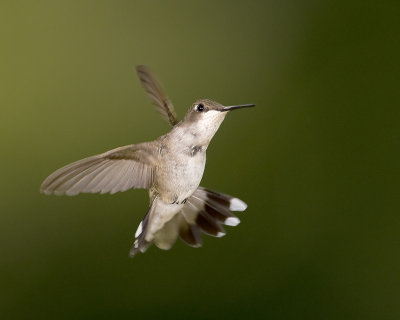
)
(205, 116)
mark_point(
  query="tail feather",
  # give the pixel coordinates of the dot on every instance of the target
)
(209, 225)
(206, 222)
(219, 205)
(140, 244)
(190, 234)
(205, 211)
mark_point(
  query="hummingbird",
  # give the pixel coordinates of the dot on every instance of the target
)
(170, 167)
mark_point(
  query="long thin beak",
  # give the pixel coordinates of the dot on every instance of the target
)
(240, 106)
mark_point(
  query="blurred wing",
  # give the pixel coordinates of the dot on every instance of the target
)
(116, 170)
(155, 92)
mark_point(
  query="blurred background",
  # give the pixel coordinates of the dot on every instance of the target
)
(316, 160)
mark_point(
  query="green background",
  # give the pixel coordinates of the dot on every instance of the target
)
(316, 160)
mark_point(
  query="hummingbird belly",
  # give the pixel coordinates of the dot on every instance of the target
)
(179, 177)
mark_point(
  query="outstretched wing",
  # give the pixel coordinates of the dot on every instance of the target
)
(155, 92)
(116, 170)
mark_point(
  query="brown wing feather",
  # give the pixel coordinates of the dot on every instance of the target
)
(156, 94)
(115, 170)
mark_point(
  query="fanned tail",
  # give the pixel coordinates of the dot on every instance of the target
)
(205, 211)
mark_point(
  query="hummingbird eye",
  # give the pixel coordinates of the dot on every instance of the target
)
(200, 107)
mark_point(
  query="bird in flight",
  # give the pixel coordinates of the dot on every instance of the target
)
(170, 167)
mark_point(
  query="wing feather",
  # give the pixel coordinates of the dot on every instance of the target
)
(115, 170)
(76, 178)
(155, 92)
(85, 178)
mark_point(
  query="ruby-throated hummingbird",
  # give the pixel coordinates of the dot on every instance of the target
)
(171, 167)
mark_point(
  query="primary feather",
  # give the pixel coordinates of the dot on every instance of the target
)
(116, 170)
(154, 90)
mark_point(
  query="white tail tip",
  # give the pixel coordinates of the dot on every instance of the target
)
(237, 205)
(232, 221)
(139, 230)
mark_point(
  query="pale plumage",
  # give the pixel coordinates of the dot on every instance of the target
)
(171, 167)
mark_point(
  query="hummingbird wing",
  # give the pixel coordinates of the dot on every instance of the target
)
(116, 170)
(156, 94)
